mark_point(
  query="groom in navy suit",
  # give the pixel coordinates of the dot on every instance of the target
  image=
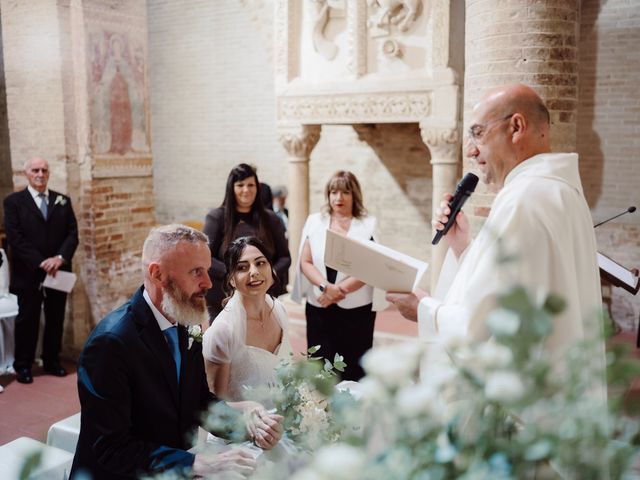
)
(43, 235)
(142, 384)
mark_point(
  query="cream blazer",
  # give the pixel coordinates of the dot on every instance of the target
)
(315, 230)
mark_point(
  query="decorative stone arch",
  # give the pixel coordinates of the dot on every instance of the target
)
(353, 62)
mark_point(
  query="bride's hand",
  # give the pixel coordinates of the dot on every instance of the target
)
(265, 429)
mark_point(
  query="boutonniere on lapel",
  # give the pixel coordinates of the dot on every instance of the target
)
(195, 335)
(60, 200)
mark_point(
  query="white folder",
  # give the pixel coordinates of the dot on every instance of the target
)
(63, 281)
(373, 263)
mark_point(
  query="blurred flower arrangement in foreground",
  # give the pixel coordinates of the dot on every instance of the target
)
(304, 396)
(495, 410)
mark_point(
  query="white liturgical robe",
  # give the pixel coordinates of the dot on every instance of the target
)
(540, 215)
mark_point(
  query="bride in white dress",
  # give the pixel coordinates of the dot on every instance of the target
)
(247, 340)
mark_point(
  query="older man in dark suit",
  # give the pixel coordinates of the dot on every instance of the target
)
(142, 385)
(43, 235)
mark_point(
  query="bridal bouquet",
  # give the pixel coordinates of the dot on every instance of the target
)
(303, 395)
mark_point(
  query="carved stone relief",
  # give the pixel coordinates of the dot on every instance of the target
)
(442, 140)
(299, 140)
(401, 13)
(390, 18)
(354, 108)
(323, 10)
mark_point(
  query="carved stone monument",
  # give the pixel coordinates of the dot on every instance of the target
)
(365, 62)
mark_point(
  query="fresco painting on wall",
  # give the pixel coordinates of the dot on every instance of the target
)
(117, 94)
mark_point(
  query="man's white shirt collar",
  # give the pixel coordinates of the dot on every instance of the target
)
(34, 193)
(163, 323)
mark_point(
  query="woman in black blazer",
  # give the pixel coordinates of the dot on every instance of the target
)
(241, 214)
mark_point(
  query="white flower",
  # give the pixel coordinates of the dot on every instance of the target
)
(195, 334)
(503, 322)
(456, 341)
(393, 365)
(308, 474)
(339, 461)
(491, 355)
(504, 386)
(371, 389)
(416, 400)
(60, 200)
(440, 376)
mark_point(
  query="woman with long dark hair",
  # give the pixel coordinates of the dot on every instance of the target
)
(243, 214)
(250, 336)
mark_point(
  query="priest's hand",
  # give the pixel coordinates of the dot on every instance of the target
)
(459, 235)
(407, 303)
(232, 464)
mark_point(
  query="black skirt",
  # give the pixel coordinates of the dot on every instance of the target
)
(348, 332)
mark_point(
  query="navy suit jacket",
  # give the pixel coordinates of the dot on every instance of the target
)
(34, 239)
(134, 416)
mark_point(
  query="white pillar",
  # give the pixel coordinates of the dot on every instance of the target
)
(443, 141)
(298, 141)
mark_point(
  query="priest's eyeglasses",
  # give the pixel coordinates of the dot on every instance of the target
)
(476, 132)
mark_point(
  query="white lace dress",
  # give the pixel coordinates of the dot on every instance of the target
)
(225, 342)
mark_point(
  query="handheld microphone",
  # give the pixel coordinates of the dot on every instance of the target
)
(628, 210)
(463, 191)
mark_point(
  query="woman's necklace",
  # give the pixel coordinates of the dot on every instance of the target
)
(259, 319)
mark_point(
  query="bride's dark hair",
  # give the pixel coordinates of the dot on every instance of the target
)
(232, 257)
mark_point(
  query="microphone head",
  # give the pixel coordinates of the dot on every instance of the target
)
(631, 209)
(468, 183)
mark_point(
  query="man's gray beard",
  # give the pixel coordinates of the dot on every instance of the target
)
(180, 311)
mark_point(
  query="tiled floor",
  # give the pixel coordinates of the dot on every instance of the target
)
(29, 410)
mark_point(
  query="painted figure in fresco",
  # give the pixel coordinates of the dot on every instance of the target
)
(118, 113)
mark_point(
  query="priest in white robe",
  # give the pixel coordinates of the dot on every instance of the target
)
(540, 214)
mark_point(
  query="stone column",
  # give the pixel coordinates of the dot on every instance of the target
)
(298, 141)
(443, 140)
(537, 46)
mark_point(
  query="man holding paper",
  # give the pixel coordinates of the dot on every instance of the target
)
(43, 236)
(540, 215)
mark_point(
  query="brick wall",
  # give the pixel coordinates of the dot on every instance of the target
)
(609, 133)
(6, 181)
(34, 86)
(212, 103)
(48, 109)
(529, 42)
(115, 225)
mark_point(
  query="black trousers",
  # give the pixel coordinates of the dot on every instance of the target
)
(28, 322)
(348, 332)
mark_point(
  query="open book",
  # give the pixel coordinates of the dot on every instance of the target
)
(372, 263)
(618, 275)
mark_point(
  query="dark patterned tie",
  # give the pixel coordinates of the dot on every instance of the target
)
(44, 208)
(171, 335)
